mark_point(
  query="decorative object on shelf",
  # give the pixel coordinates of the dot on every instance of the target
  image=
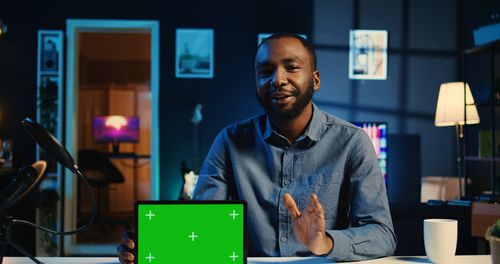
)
(3, 28)
(452, 110)
(485, 144)
(487, 34)
(368, 54)
(194, 53)
(5, 153)
(493, 236)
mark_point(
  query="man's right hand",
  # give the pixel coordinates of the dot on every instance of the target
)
(127, 248)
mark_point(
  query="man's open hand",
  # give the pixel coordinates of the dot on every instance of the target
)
(309, 225)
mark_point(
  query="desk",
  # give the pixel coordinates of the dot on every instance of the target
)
(483, 259)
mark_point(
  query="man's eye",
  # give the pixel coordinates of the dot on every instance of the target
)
(293, 68)
(265, 72)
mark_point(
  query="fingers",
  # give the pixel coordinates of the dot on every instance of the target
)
(127, 238)
(125, 250)
(291, 205)
(124, 254)
(315, 206)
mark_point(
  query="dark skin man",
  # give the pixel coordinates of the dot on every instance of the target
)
(286, 78)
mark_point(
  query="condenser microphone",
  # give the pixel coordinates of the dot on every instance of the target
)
(49, 143)
(25, 180)
(28, 178)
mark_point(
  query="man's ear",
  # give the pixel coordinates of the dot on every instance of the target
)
(316, 80)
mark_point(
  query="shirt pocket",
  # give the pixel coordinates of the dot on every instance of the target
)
(326, 185)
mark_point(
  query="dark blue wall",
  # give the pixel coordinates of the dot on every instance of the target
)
(424, 51)
(228, 97)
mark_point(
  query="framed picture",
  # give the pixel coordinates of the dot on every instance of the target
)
(262, 36)
(368, 54)
(51, 46)
(194, 53)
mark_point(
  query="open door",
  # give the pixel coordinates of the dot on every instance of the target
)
(112, 86)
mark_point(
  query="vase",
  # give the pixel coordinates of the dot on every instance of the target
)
(494, 246)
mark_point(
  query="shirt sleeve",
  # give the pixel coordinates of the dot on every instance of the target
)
(214, 181)
(370, 234)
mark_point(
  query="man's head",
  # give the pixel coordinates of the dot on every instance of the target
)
(286, 75)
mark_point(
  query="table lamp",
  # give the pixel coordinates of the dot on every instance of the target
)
(451, 110)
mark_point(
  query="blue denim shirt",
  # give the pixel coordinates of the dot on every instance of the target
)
(333, 159)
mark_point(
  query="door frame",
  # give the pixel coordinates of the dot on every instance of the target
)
(73, 27)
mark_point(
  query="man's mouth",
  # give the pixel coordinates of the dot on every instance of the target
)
(281, 98)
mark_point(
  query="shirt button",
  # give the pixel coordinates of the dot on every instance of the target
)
(282, 208)
(286, 182)
(283, 239)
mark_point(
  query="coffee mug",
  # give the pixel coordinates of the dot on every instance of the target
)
(440, 239)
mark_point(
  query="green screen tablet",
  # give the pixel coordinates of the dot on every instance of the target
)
(190, 232)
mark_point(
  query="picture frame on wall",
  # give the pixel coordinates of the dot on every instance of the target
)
(50, 50)
(262, 36)
(368, 54)
(194, 53)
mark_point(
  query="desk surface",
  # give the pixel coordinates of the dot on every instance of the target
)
(483, 259)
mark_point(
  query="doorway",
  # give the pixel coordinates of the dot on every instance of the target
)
(112, 72)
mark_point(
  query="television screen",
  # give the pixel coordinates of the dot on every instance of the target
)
(377, 131)
(116, 128)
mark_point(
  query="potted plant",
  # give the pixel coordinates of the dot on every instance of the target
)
(493, 235)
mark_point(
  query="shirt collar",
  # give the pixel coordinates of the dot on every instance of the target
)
(312, 132)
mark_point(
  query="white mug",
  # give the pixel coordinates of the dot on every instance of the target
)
(440, 239)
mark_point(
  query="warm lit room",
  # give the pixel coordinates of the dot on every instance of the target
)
(286, 131)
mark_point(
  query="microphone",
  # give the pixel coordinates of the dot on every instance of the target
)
(49, 143)
(27, 178)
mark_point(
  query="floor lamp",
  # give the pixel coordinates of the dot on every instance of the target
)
(450, 112)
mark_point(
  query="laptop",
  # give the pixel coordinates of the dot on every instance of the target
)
(190, 232)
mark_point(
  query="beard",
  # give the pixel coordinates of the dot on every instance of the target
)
(288, 115)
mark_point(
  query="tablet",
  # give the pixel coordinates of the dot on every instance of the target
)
(190, 232)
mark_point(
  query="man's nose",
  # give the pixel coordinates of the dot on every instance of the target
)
(279, 78)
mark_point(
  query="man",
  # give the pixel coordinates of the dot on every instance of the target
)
(311, 181)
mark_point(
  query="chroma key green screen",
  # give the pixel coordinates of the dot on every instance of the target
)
(190, 232)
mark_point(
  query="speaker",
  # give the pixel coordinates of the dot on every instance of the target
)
(404, 168)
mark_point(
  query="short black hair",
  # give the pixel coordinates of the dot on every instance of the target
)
(307, 45)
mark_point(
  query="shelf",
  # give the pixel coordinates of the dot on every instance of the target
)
(481, 49)
(489, 159)
(487, 104)
(52, 73)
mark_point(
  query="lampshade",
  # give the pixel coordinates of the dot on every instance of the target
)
(450, 105)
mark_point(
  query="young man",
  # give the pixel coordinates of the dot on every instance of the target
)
(311, 181)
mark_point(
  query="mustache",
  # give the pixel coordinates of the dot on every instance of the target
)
(281, 92)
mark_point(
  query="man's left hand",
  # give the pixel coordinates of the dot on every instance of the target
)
(309, 225)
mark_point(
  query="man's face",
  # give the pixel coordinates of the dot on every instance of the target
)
(285, 78)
